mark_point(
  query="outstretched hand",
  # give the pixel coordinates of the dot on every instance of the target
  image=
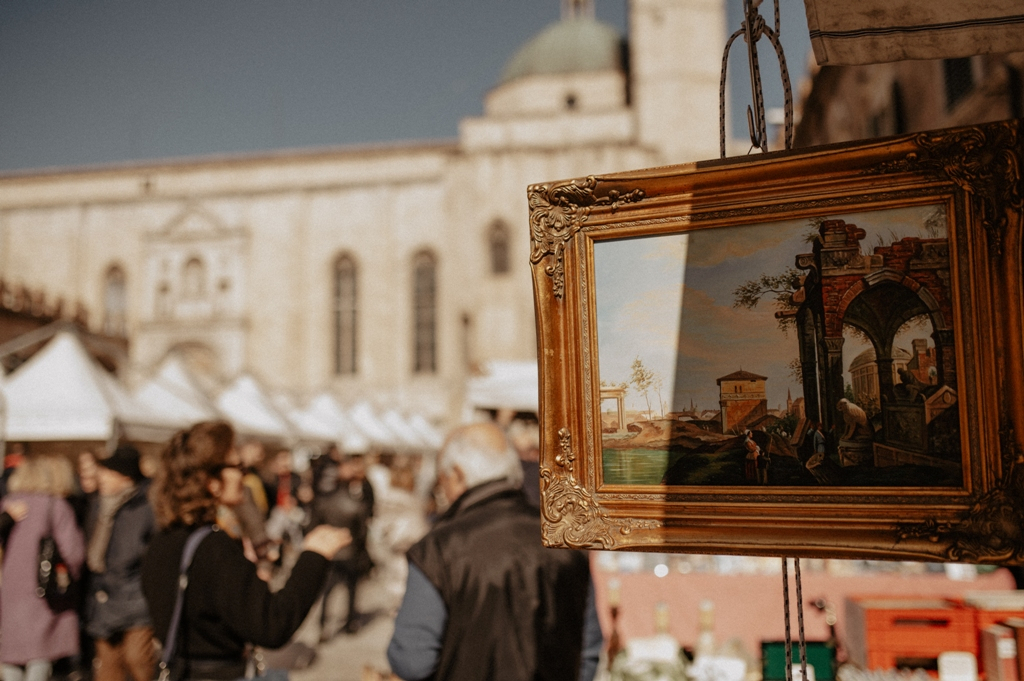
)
(326, 540)
(16, 509)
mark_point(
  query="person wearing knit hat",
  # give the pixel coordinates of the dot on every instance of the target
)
(124, 460)
(118, 528)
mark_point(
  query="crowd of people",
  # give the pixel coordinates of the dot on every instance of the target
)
(108, 520)
(185, 566)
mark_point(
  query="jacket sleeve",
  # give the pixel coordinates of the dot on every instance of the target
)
(245, 603)
(593, 639)
(68, 536)
(419, 629)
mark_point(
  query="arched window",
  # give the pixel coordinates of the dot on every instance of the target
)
(115, 302)
(193, 279)
(164, 306)
(345, 315)
(498, 242)
(424, 312)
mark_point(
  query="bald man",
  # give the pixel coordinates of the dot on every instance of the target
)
(484, 598)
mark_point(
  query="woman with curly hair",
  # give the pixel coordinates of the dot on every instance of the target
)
(32, 635)
(226, 604)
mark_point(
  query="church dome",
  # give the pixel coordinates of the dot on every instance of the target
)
(572, 45)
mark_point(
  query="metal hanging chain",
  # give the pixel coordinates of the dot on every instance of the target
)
(802, 642)
(753, 29)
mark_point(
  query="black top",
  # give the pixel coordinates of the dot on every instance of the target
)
(348, 505)
(515, 608)
(226, 603)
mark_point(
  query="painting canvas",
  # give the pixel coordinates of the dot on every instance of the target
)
(717, 351)
(815, 352)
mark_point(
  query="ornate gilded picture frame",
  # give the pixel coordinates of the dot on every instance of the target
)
(809, 353)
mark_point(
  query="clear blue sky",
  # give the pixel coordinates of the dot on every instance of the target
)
(87, 82)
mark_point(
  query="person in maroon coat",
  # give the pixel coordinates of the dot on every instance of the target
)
(226, 605)
(32, 635)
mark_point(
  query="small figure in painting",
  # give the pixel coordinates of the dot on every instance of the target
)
(764, 460)
(753, 451)
(818, 464)
(910, 389)
(757, 460)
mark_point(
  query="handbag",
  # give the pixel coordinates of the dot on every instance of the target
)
(53, 578)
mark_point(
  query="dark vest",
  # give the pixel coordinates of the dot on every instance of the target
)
(515, 608)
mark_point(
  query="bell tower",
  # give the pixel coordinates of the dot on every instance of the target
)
(675, 62)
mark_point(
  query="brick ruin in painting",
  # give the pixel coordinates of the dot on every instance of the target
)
(877, 294)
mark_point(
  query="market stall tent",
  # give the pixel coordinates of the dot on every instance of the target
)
(174, 393)
(250, 411)
(306, 425)
(874, 31)
(403, 430)
(363, 416)
(504, 385)
(62, 394)
(326, 409)
(431, 435)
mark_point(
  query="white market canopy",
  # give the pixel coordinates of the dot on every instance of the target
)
(63, 394)
(505, 385)
(874, 31)
(364, 418)
(306, 425)
(428, 433)
(326, 409)
(174, 393)
(401, 427)
(250, 411)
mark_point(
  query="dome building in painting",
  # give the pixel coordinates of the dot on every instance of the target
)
(385, 273)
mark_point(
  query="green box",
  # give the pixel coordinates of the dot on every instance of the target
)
(820, 654)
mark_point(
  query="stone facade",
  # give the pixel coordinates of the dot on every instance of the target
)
(257, 263)
(847, 103)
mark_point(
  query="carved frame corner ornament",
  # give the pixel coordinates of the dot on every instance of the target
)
(557, 213)
(990, 530)
(571, 516)
(983, 162)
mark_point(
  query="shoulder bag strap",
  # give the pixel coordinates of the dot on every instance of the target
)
(191, 544)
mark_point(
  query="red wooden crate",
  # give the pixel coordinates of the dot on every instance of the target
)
(883, 633)
(993, 607)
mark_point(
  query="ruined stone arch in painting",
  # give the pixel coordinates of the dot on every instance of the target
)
(877, 294)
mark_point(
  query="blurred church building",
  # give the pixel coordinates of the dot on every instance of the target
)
(389, 273)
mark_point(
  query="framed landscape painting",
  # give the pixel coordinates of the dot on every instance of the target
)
(809, 353)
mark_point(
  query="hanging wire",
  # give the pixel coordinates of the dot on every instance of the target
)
(801, 641)
(785, 608)
(800, 618)
(753, 29)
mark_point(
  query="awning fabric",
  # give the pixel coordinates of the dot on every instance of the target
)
(175, 393)
(401, 427)
(306, 425)
(62, 394)
(327, 410)
(364, 417)
(874, 31)
(250, 411)
(504, 385)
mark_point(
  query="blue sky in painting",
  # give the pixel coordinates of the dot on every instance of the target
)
(670, 301)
